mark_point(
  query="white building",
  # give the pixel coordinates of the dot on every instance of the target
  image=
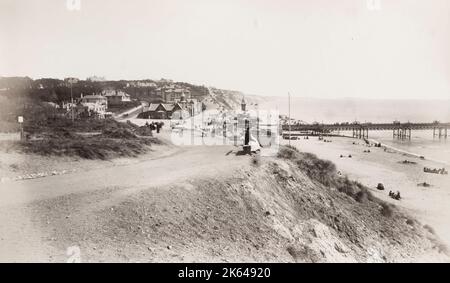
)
(96, 79)
(95, 103)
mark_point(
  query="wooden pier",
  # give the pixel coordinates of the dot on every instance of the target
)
(361, 131)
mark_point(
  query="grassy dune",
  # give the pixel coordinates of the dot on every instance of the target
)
(89, 139)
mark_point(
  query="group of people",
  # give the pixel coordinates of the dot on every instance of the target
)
(155, 126)
(349, 156)
(441, 171)
(395, 195)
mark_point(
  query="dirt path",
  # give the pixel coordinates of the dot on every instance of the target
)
(21, 239)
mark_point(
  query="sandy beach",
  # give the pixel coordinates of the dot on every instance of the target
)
(428, 204)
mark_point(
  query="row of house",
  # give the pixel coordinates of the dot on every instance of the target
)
(179, 109)
(172, 93)
(177, 103)
(116, 97)
(97, 105)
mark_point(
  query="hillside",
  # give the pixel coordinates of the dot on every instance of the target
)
(293, 208)
(230, 100)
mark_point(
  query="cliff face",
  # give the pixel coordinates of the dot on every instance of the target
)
(273, 210)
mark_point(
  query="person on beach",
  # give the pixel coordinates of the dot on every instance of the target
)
(158, 127)
(395, 196)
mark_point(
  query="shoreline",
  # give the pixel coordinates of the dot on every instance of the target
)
(375, 141)
(412, 154)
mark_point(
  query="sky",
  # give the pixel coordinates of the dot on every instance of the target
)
(396, 49)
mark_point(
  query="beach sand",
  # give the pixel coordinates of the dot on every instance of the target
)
(429, 205)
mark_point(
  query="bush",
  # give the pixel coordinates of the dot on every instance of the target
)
(363, 195)
(87, 148)
(288, 152)
(144, 131)
(119, 133)
(325, 173)
(386, 210)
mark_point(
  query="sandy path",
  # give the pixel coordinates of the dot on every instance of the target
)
(22, 240)
(429, 205)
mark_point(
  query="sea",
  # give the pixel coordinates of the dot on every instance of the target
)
(422, 142)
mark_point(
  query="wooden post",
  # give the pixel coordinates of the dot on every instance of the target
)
(224, 132)
(20, 120)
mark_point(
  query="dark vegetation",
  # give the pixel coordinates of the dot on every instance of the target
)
(88, 139)
(50, 133)
(324, 172)
(57, 91)
(35, 99)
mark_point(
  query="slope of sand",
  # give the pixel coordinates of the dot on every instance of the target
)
(429, 205)
(201, 204)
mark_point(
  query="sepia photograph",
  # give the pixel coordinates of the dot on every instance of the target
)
(224, 132)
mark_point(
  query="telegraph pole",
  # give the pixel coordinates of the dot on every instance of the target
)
(257, 122)
(72, 81)
(289, 107)
(71, 98)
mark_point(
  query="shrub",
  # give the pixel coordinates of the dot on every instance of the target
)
(386, 210)
(288, 152)
(429, 229)
(119, 133)
(325, 173)
(144, 131)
